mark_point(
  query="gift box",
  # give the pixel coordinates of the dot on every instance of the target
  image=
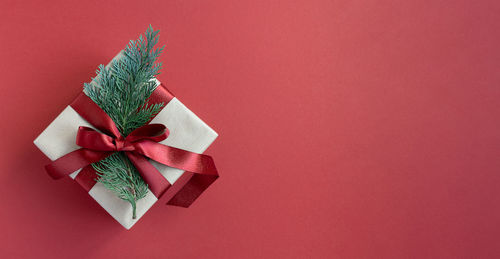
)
(187, 132)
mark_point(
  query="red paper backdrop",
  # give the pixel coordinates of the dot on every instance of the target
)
(348, 129)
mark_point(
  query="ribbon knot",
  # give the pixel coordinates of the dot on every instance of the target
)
(119, 144)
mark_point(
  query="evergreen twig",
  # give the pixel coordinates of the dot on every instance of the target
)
(122, 90)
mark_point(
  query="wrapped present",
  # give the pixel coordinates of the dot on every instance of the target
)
(165, 151)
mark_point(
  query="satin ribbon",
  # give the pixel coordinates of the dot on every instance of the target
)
(138, 146)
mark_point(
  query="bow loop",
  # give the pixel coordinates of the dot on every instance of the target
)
(91, 139)
(154, 132)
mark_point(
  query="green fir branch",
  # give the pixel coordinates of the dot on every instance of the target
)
(122, 90)
(118, 174)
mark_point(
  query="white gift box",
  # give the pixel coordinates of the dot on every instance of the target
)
(187, 131)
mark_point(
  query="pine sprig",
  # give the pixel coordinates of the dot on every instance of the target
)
(122, 90)
(118, 174)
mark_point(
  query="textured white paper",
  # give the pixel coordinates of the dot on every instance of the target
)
(187, 131)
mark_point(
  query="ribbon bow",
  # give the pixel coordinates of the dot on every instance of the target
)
(139, 145)
(91, 139)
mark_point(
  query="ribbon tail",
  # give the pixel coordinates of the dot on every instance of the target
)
(155, 180)
(195, 186)
(73, 161)
(200, 169)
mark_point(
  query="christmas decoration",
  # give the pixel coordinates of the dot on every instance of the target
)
(123, 162)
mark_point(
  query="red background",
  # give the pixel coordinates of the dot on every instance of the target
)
(348, 129)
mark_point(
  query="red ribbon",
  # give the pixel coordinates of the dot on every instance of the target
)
(139, 145)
